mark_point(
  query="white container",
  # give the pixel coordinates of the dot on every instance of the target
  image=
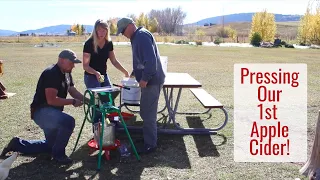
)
(133, 95)
(164, 63)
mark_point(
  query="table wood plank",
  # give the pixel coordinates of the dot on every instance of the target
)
(180, 80)
(205, 98)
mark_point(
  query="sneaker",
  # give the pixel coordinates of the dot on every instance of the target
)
(10, 146)
(4, 96)
(63, 160)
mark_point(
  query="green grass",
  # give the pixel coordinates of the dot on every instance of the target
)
(178, 157)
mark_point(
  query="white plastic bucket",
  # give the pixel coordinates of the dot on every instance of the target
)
(164, 63)
(133, 95)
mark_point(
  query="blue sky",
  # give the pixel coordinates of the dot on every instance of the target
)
(20, 15)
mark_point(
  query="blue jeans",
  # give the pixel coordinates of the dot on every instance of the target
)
(148, 112)
(57, 127)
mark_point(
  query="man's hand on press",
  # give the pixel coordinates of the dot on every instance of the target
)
(77, 103)
(86, 100)
(143, 83)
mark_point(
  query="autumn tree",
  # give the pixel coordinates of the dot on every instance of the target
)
(153, 25)
(150, 24)
(200, 34)
(83, 29)
(222, 32)
(264, 24)
(78, 29)
(74, 28)
(227, 32)
(231, 33)
(113, 25)
(309, 28)
(141, 20)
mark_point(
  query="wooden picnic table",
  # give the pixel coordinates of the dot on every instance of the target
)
(181, 81)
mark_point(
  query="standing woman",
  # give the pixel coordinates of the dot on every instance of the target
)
(97, 50)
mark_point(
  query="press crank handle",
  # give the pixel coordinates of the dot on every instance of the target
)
(121, 86)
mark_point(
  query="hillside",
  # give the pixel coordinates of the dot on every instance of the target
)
(6, 32)
(286, 30)
(243, 17)
(58, 29)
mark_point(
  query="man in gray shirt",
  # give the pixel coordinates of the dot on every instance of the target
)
(150, 75)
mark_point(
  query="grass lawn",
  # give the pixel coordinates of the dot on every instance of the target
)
(178, 157)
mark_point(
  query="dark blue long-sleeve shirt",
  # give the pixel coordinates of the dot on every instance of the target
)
(146, 57)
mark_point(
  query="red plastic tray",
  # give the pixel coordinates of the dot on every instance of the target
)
(126, 116)
(94, 145)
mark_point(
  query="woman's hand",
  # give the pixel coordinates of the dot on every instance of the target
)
(126, 74)
(98, 75)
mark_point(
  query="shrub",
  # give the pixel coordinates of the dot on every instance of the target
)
(289, 46)
(182, 42)
(198, 42)
(217, 41)
(256, 39)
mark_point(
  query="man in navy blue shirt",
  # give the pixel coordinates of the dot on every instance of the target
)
(47, 107)
(150, 75)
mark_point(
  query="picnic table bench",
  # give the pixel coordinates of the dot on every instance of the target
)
(205, 98)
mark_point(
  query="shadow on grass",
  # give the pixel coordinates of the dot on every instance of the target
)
(204, 143)
(171, 152)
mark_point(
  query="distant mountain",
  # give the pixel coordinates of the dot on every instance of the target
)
(6, 32)
(59, 29)
(243, 17)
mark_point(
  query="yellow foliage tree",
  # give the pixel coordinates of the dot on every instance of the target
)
(232, 33)
(78, 29)
(150, 24)
(200, 34)
(113, 25)
(316, 29)
(264, 24)
(146, 22)
(309, 29)
(153, 25)
(113, 28)
(74, 28)
(141, 20)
